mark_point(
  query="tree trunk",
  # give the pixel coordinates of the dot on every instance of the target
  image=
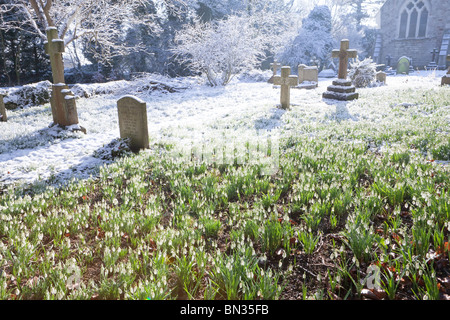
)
(17, 59)
(4, 58)
(78, 61)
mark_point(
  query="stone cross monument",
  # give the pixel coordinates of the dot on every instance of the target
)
(64, 109)
(344, 54)
(342, 89)
(275, 66)
(286, 81)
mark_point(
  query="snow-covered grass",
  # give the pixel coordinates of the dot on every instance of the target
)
(30, 151)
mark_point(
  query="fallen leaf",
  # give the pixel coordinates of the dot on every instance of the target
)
(369, 294)
(444, 248)
(396, 236)
(380, 293)
(405, 214)
(170, 260)
(293, 241)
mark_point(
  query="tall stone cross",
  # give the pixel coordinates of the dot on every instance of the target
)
(342, 88)
(434, 53)
(286, 81)
(388, 60)
(344, 54)
(275, 66)
(63, 105)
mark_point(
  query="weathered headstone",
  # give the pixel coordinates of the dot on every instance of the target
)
(308, 75)
(342, 88)
(446, 78)
(133, 122)
(63, 105)
(403, 65)
(3, 117)
(275, 65)
(433, 64)
(286, 81)
(327, 73)
(381, 77)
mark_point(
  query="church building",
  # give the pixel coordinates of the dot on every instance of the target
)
(417, 29)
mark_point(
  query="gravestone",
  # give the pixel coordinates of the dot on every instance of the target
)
(133, 122)
(64, 110)
(3, 117)
(274, 66)
(403, 65)
(381, 77)
(388, 60)
(327, 73)
(308, 77)
(342, 88)
(446, 78)
(286, 81)
(433, 64)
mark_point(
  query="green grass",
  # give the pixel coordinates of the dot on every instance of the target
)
(150, 227)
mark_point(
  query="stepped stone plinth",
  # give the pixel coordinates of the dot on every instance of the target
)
(341, 90)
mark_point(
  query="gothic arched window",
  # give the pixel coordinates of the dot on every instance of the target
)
(414, 19)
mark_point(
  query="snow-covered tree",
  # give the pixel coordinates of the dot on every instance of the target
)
(220, 49)
(220, 9)
(314, 40)
(102, 22)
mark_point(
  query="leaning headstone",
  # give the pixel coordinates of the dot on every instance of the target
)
(133, 122)
(403, 65)
(446, 78)
(286, 81)
(3, 117)
(381, 77)
(63, 106)
(274, 66)
(342, 88)
(308, 77)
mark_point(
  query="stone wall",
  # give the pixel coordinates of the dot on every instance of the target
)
(416, 48)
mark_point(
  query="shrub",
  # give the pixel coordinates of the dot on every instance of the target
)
(29, 95)
(363, 73)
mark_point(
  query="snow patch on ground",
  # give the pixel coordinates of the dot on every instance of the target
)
(243, 110)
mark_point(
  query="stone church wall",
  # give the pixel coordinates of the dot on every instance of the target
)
(419, 49)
